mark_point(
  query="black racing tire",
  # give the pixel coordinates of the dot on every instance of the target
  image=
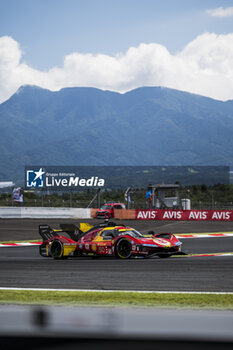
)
(123, 249)
(56, 249)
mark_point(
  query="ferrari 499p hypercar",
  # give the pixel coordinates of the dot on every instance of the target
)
(106, 239)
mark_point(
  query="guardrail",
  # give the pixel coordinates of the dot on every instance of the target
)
(42, 212)
(114, 324)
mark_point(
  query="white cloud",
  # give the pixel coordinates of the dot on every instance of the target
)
(221, 12)
(204, 66)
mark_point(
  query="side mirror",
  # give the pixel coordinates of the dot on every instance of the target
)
(151, 233)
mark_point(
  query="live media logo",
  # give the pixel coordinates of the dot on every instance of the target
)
(35, 178)
(57, 179)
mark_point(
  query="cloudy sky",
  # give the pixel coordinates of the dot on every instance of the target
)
(117, 45)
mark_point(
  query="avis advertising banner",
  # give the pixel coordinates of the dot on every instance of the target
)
(204, 215)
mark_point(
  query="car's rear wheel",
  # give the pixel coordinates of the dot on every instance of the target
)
(56, 249)
(123, 249)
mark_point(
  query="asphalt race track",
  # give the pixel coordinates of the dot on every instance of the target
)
(23, 267)
(22, 229)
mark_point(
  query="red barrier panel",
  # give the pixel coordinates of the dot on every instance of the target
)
(204, 215)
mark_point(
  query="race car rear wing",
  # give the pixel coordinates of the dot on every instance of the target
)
(46, 232)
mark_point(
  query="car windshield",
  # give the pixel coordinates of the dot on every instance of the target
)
(106, 206)
(132, 233)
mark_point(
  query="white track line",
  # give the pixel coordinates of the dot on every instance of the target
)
(110, 291)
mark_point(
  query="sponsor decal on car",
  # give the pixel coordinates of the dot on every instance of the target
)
(101, 249)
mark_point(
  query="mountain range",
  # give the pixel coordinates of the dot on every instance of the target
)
(88, 126)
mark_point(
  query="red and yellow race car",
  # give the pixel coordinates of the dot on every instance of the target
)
(106, 239)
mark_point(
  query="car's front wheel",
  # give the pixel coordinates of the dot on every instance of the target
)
(123, 249)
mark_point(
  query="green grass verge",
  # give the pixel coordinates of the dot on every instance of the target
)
(133, 299)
